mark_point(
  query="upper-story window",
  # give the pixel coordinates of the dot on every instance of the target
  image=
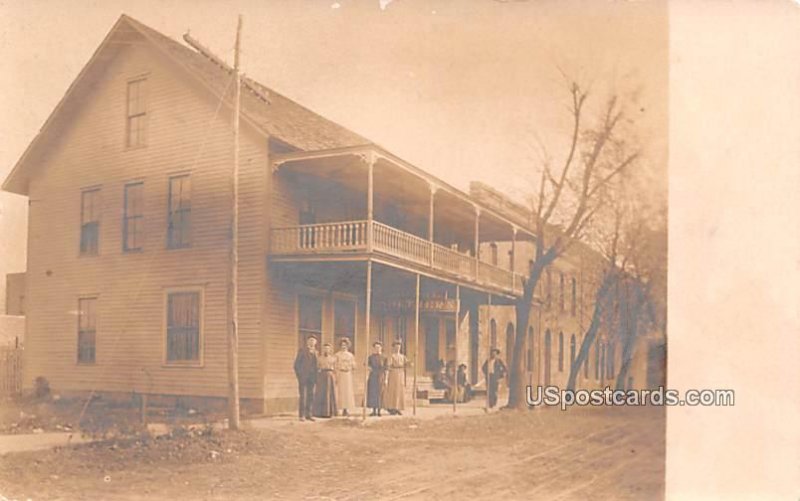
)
(493, 247)
(90, 221)
(133, 218)
(561, 292)
(574, 296)
(136, 116)
(549, 289)
(179, 221)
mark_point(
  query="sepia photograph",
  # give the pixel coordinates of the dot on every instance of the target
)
(395, 249)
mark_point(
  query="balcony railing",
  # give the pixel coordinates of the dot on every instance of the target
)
(354, 237)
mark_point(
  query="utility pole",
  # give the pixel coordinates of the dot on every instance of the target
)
(233, 286)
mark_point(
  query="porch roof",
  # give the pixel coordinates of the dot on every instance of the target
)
(348, 164)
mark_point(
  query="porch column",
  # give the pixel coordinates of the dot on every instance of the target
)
(477, 240)
(367, 319)
(454, 392)
(489, 351)
(432, 188)
(416, 346)
(370, 198)
(513, 255)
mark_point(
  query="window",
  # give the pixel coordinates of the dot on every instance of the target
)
(133, 218)
(493, 334)
(561, 292)
(183, 326)
(574, 296)
(309, 318)
(87, 329)
(179, 224)
(560, 352)
(571, 352)
(401, 331)
(610, 360)
(586, 366)
(509, 342)
(549, 291)
(90, 221)
(431, 344)
(136, 126)
(530, 349)
(596, 360)
(344, 321)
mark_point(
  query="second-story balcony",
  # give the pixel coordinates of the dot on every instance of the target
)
(407, 218)
(362, 237)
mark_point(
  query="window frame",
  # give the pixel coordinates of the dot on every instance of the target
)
(342, 298)
(169, 238)
(140, 114)
(78, 360)
(126, 217)
(561, 351)
(98, 212)
(200, 362)
(321, 297)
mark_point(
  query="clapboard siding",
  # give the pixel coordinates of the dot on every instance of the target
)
(182, 136)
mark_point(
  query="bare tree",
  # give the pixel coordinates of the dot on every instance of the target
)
(568, 198)
(631, 237)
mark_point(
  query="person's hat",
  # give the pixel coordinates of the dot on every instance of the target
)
(345, 340)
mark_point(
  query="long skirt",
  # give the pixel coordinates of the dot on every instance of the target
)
(395, 390)
(325, 395)
(345, 396)
(375, 390)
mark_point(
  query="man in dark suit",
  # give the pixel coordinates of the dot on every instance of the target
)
(494, 370)
(305, 368)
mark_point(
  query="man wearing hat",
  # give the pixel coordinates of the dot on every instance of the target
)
(493, 370)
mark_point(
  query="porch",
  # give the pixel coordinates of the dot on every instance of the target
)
(364, 204)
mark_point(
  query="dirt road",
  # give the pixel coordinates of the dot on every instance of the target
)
(601, 453)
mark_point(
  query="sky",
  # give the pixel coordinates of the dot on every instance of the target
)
(466, 90)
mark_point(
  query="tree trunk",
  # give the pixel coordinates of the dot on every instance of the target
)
(601, 303)
(516, 387)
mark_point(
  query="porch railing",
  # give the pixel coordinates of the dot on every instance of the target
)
(354, 236)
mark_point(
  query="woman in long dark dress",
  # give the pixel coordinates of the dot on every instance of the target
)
(376, 380)
(325, 391)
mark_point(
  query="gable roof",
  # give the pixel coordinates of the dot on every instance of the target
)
(268, 111)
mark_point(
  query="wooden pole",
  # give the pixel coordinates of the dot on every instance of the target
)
(489, 351)
(454, 393)
(430, 220)
(416, 346)
(367, 313)
(233, 287)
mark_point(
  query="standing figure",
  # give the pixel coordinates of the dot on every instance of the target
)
(305, 369)
(395, 387)
(464, 388)
(325, 394)
(345, 364)
(494, 370)
(377, 378)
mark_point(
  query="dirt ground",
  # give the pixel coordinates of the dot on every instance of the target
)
(598, 453)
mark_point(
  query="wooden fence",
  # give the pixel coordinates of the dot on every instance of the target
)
(10, 371)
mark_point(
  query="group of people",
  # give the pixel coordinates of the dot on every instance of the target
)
(444, 378)
(325, 381)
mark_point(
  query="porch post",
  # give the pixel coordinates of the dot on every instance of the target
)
(416, 346)
(477, 241)
(454, 393)
(489, 351)
(370, 198)
(367, 311)
(432, 188)
(513, 255)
